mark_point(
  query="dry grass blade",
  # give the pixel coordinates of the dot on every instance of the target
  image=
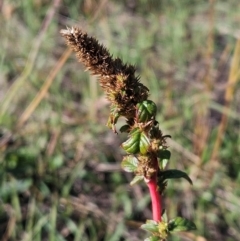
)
(33, 105)
(11, 223)
(90, 208)
(186, 153)
(31, 58)
(234, 75)
(201, 128)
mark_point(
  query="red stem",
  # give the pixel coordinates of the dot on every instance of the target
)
(156, 199)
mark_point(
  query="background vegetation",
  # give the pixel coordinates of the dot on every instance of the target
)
(60, 175)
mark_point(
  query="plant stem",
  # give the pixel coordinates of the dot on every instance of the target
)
(156, 199)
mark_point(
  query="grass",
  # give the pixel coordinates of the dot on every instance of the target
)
(60, 172)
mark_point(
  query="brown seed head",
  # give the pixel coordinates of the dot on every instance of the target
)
(118, 80)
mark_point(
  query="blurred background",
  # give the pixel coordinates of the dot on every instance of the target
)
(60, 175)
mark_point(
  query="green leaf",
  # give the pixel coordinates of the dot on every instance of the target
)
(12, 187)
(124, 128)
(181, 224)
(129, 163)
(162, 163)
(146, 110)
(150, 226)
(136, 179)
(137, 142)
(172, 173)
(132, 144)
(144, 143)
(164, 215)
(164, 156)
(152, 238)
(134, 131)
(56, 162)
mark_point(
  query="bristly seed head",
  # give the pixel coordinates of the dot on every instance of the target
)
(118, 80)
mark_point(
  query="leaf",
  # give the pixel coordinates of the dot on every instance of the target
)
(56, 162)
(162, 163)
(124, 128)
(164, 215)
(12, 187)
(164, 156)
(173, 173)
(137, 141)
(136, 179)
(132, 144)
(134, 131)
(144, 143)
(181, 224)
(152, 238)
(151, 221)
(129, 163)
(150, 226)
(146, 110)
